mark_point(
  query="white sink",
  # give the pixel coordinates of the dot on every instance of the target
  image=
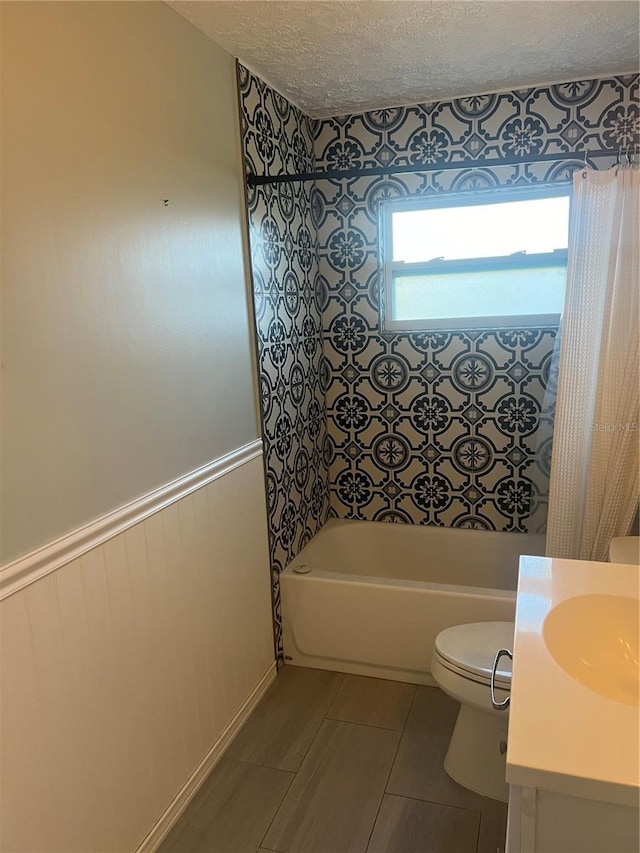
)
(574, 718)
(595, 639)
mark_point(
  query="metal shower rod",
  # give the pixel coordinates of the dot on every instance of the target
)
(580, 157)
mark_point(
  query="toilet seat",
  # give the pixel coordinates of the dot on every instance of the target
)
(470, 650)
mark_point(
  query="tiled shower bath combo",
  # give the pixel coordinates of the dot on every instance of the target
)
(434, 428)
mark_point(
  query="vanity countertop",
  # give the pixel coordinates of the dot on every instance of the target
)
(564, 736)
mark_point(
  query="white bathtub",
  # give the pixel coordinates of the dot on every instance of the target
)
(378, 594)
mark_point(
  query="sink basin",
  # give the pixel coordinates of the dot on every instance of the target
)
(595, 639)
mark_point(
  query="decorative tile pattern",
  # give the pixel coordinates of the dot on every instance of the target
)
(597, 114)
(277, 138)
(434, 428)
(443, 428)
(439, 428)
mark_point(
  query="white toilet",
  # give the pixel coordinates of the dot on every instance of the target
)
(461, 666)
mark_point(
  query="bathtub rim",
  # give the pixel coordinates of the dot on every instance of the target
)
(411, 530)
(401, 583)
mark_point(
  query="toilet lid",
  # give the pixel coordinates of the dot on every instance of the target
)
(472, 649)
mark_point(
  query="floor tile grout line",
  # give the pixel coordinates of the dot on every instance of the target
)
(400, 732)
(413, 699)
(415, 693)
(286, 791)
(341, 682)
(355, 723)
(349, 722)
(391, 764)
(372, 725)
(369, 725)
(269, 766)
(411, 704)
(339, 688)
(479, 826)
(434, 803)
(257, 763)
(346, 675)
(302, 760)
(420, 799)
(276, 811)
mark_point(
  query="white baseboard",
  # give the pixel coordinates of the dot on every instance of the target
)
(184, 796)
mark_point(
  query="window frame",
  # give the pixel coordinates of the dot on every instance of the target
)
(495, 195)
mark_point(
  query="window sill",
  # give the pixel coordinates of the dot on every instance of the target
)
(462, 324)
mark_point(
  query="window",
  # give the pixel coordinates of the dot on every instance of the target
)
(483, 260)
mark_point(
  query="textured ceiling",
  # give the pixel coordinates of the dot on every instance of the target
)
(332, 58)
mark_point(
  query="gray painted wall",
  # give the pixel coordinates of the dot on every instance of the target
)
(125, 340)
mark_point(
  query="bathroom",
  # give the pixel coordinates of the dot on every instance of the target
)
(203, 391)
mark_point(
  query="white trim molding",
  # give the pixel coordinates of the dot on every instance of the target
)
(184, 796)
(29, 568)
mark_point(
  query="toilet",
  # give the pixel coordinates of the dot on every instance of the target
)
(461, 666)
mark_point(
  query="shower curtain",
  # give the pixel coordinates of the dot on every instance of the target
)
(593, 493)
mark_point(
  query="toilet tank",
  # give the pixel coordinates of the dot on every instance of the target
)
(625, 549)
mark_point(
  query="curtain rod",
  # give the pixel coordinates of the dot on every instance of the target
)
(337, 174)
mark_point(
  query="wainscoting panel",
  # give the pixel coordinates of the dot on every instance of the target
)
(125, 671)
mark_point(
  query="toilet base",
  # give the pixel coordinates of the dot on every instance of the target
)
(474, 758)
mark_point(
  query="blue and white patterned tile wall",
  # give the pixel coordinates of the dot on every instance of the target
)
(278, 138)
(434, 428)
(442, 428)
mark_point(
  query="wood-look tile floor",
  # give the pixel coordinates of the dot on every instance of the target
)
(333, 763)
